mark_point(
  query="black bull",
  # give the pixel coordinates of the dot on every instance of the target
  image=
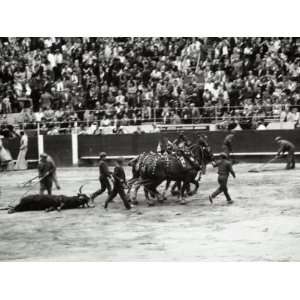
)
(50, 202)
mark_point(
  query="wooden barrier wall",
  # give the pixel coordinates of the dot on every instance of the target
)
(244, 141)
(60, 147)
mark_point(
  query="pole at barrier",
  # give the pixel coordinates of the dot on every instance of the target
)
(40, 144)
(74, 149)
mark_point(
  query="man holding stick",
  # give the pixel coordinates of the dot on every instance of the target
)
(119, 185)
(46, 171)
(289, 147)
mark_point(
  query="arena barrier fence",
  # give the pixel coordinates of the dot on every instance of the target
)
(72, 150)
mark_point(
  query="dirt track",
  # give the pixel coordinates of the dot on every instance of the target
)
(262, 225)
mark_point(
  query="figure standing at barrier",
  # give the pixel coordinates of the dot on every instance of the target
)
(104, 176)
(6, 161)
(202, 142)
(286, 146)
(21, 163)
(119, 185)
(224, 169)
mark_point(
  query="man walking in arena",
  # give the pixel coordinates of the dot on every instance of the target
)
(224, 170)
(119, 185)
(289, 147)
(104, 176)
(46, 170)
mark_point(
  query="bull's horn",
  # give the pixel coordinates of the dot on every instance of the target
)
(80, 189)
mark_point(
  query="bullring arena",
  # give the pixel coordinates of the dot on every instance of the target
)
(262, 225)
(65, 100)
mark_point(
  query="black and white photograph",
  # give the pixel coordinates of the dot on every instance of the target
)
(150, 148)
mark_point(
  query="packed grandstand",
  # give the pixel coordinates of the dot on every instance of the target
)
(92, 84)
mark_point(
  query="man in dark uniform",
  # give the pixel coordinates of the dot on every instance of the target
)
(202, 142)
(286, 146)
(224, 169)
(104, 175)
(46, 169)
(119, 185)
(227, 144)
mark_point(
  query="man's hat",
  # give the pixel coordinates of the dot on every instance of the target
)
(102, 154)
(278, 138)
(43, 155)
(223, 155)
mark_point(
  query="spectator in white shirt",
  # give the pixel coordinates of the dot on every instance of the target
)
(51, 59)
(105, 122)
(39, 115)
(120, 98)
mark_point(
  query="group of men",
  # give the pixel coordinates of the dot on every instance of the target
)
(117, 177)
(47, 169)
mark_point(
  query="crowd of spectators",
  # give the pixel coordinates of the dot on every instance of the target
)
(241, 82)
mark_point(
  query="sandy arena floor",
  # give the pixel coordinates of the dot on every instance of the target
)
(262, 225)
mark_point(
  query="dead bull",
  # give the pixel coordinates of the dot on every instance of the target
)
(51, 202)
